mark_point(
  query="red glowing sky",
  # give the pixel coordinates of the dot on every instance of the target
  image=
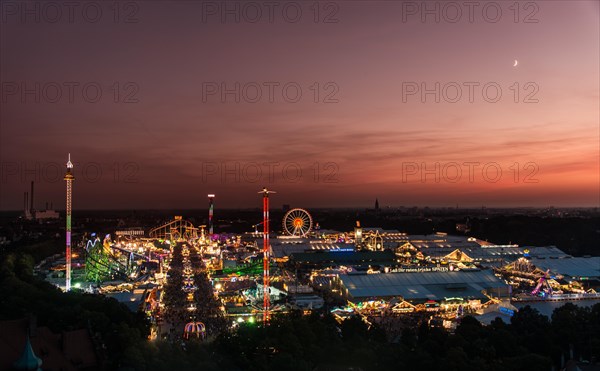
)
(363, 138)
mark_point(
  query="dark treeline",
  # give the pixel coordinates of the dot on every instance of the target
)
(530, 342)
(575, 236)
(317, 342)
(111, 325)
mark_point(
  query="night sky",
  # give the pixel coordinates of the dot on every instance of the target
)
(168, 121)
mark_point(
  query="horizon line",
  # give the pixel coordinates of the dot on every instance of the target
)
(330, 208)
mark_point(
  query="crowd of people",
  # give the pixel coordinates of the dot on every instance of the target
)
(189, 295)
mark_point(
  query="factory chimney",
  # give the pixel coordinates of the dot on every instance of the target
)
(31, 204)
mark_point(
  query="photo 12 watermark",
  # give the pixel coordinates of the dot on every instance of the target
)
(469, 92)
(70, 92)
(268, 172)
(269, 92)
(54, 172)
(273, 12)
(69, 12)
(469, 172)
(470, 11)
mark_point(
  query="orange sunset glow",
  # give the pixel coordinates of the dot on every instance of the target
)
(380, 103)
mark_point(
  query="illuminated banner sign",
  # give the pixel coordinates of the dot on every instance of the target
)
(419, 269)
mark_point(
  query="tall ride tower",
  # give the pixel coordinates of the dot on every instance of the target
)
(69, 179)
(211, 205)
(266, 254)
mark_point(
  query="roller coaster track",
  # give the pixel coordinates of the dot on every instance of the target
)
(105, 264)
(125, 251)
(90, 245)
(175, 230)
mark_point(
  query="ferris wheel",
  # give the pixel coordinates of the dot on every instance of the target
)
(297, 222)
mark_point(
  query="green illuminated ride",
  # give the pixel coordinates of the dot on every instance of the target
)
(251, 269)
(101, 265)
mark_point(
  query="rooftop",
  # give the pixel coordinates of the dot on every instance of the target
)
(423, 285)
(343, 257)
(588, 267)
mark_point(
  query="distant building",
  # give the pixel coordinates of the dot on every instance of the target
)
(30, 213)
(46, 214)
(137, 232)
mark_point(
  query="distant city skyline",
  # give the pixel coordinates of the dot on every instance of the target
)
(396, 94)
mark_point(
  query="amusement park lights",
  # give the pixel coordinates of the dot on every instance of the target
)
(266, 257)
(69, 179)
(211, 205)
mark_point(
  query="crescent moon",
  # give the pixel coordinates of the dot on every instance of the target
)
(516, 63)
